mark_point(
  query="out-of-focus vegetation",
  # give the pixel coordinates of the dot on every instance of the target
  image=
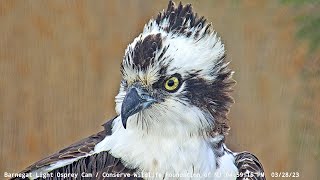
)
(304, 120)
(308, 20)
(59, 74)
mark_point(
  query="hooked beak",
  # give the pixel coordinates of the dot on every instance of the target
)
(136, 100)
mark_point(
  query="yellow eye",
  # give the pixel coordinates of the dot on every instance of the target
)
(172, 84)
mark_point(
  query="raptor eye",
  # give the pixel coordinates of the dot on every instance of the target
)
(172, 84)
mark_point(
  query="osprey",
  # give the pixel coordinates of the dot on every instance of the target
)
(172, 111)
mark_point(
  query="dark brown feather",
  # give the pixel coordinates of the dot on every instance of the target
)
(245, 162)
(101, 166)
(179, 16)
(96, 164)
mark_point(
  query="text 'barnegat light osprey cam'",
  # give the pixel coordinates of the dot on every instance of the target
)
(172, 112)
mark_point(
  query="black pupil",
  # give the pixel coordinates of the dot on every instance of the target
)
(170, 83)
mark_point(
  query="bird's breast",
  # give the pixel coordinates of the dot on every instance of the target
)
(159, 157)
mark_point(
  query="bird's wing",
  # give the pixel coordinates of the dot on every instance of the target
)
(78, 149)
(99, 166)
(78, 158)
(249, 166)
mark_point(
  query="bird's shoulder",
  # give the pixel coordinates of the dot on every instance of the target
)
(75, 151)
(249, 166)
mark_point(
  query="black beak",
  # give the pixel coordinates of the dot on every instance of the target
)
(135, 101)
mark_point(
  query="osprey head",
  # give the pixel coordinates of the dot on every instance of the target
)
(175, 77)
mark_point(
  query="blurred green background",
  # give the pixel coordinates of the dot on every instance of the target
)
(59, 73)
